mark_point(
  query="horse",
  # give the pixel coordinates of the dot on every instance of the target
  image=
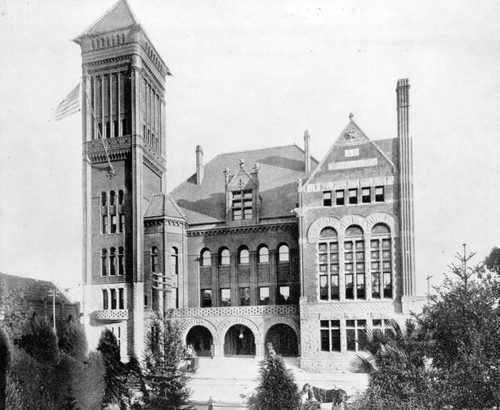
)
(312, 397)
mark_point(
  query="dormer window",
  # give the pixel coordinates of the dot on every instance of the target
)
(242, 204)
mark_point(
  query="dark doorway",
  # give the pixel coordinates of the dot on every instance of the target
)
(201, 339)
(239, 341)
(283, 339)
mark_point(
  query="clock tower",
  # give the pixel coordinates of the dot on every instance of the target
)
(123, 165)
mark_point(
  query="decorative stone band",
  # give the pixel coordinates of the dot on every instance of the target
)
(292, 310)
(243, 229)
(110, 315)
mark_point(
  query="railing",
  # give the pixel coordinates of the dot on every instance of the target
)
(110, 314)
(216, 405)
(239, 310)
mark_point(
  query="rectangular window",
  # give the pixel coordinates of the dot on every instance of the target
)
(121, 300)
(356, 334)
(113, 223)
(113, 298)
(330, 335)
(339, 197)
(381, 267)
(379, 194)
(244, 296)
(242, 204)
(353, 196)
(264, 295)
(225, 297)
(105, 304)
(115, 128)
(382, 326)
(104, 226)
(366, 197)
(329, 270)
(121, 223)
(108, 131)
(354, 269)
(206, 298)
(327, 198)
(284, 295)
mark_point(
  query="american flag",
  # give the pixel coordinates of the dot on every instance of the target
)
(70, 104)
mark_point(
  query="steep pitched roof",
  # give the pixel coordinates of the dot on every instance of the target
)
(279, 170)
(162, 205)
(33, 289)
(117, 17)
(351, 136)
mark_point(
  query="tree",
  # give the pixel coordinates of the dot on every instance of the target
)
(16, 309)
(88, 382)
(39, 341)
(165, 382)
(492, 261)
(277, 389)
(114, 370)
(4, 366)
(463, 322)
(72, 340)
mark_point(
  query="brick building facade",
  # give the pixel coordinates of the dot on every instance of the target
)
(258, 246)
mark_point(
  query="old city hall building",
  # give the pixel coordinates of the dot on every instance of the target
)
(258, 246)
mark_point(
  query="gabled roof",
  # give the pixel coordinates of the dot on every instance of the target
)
(279, 171)
(32, 289)
(117, 17)
(162, 206)
(351, 135)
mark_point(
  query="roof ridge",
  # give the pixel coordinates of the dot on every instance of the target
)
(256, 149)
(177, 208)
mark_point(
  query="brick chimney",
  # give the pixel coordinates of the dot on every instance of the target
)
(307, 153)
(199, 165)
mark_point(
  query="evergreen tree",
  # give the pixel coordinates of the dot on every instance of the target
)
(40, 342)
(166, 384)
(277, 389)
(114, 371)
(16, 308)
(4, 366)
(72, 340)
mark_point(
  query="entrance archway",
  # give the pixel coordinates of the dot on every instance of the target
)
(239, 341)
(201, 339)
(283, 339)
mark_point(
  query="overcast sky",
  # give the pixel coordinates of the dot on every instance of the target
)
(254, 74)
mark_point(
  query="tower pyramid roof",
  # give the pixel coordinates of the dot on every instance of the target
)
(117, 17)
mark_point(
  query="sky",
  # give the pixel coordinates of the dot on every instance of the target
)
(254, 74)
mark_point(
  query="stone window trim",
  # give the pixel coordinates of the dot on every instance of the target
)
(224, 257)
(243, 255)
(112, 212)
(154, 260)
(205, 257)
(283, 253)
(263, 254)
(242, 204)
(113, 298)
(174, 259)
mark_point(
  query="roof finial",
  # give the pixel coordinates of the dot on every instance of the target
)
(351, 115)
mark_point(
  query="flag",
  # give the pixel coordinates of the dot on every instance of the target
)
(70, 104)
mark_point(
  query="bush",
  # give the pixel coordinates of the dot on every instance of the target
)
(277, 389)
(39, 341)
(88, 382)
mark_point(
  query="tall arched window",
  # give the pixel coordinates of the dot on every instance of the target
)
(328, 258)
(175, 260)
(105, 299)
(243, 256)
(205, 258)
(154, 259)
(112, 261)
(381, 262)
(283, 253)
(104, 199)
(263, 254)
(121, 261)
(354, 257)
(120, 197)
(112, 198)
(224, 256)
(104, 262)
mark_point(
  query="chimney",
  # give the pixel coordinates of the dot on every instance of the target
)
(307, 154)
(403, 107)
(199, 165)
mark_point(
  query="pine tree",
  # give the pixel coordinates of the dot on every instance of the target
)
(72, 340)
(114, 370)
(166, 384)
(4, 366)
(277, 389)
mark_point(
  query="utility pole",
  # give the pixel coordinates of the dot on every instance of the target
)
(428, 279)
(53, 293)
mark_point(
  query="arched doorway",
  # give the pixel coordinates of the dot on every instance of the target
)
(201, 340)
(239, 341)
(283, 339)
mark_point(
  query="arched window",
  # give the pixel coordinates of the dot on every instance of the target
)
(244, 256)
(104, 199)
(328, 264)
(121, 261)
(112, 198)
(224, 256)
(154, 259)
(175, 260)
(112, 261)
(283, 253)
(205, 258)
(381, 262)
(263, 254)
(354, 257)
(104, 262)
(105, 299)
(120, 197)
